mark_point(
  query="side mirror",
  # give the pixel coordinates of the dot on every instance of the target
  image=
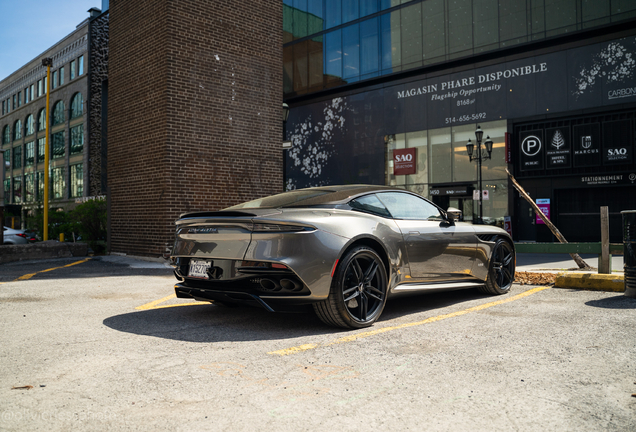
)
(453, 214)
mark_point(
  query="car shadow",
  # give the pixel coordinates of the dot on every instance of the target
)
(206, 323)
(616, 302)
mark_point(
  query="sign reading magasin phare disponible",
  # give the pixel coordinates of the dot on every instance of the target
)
(587, 77)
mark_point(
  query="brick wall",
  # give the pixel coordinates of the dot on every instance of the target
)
(194, 115)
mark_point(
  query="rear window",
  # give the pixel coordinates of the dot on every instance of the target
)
(287, 199)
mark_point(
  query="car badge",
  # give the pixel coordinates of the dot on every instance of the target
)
(205, 230)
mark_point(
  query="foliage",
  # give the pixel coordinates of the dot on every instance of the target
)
(86, 222)
(90, 219)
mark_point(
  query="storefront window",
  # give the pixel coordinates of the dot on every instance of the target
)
(463, 169)
(444, 173)
(440, 155)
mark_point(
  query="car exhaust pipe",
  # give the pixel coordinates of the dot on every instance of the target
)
(290, 285)
(270, 285)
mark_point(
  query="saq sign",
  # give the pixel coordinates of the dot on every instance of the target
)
(404, 161)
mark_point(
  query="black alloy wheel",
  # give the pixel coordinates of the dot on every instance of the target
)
(358, 291)
(501, 271)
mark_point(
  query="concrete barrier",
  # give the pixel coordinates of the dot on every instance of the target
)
(42, 250)
(590, 281)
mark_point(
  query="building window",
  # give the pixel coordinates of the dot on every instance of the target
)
(57, 145)
(29, 125)
(77, 106)
(41, 149)
(17, 130)
(54, 79)
(29, 153)
(58, 113)
(32, 91)
(39, 88)
(29, 188)
(17, 190)
(73, 69)
(7, 190)
(46, 84)
(42, 120)
(77, 180)
(80, 66)
(39, 178)
(62, 75)
(58, 183)
(17, 157)
(26, 95)
(2, 107)
(15, 100)
(6, 135)
(7, 155)
(19, 98)
(77, 139)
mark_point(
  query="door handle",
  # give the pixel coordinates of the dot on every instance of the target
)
(414, 233)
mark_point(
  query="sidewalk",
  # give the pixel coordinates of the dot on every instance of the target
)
(561, 270)
(562, 262)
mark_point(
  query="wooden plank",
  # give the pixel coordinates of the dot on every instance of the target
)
(605, 262)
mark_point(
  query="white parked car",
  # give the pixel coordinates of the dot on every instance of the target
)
(14, 236)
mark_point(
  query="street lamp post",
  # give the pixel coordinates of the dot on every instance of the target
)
(5, 165)
(470, 147)
(48, 62)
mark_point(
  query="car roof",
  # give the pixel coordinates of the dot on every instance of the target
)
(340, 194)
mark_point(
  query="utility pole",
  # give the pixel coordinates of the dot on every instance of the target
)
(2, 168)
(48, 62)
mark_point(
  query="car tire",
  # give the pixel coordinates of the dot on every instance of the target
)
(501, 269)
(358, 291)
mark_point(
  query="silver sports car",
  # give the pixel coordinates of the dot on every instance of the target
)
(342, 249)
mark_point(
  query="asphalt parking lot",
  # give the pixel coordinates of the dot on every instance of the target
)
(102, 344)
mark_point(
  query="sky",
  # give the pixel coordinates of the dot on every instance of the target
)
(30, 27)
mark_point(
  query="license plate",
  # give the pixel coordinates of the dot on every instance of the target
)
(199, 268)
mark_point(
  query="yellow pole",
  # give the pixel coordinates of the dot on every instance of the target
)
(46, 151)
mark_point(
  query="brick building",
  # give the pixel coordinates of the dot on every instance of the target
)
(75, 122)
(194, 113)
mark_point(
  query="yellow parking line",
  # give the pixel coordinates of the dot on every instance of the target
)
(152, 304)
(357, 336)
(30, 275)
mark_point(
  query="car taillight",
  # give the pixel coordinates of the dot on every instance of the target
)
(265, 227)
(22, 235)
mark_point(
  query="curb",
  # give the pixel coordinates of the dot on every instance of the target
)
(591, 282)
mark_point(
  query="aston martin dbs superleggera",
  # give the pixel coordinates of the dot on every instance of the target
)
(342, 249)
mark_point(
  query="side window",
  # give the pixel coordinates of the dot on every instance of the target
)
(407, 206)
(370, 204)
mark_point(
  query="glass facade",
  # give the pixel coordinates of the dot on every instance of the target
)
(29, 126)
(441, 158)
(41, 149)
(77, 180)
(77, 106)
(17, 190)
(17, 130)
(29, 154)
(57, 145)
(57, 183)
(41, 120)
(29, 187)
(77, 139)
(58, 114)
(328, 43)
(17, 157)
